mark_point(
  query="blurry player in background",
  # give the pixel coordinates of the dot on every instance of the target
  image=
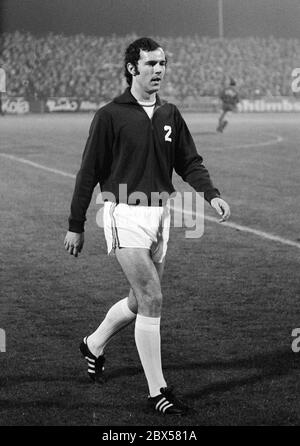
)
(2, 88)
(230, 98)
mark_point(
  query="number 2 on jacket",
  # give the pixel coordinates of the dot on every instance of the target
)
(168, 129)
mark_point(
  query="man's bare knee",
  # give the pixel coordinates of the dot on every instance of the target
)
(144, 278)
(149, 304)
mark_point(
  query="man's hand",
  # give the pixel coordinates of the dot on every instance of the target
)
(74, 242)
(221, 207)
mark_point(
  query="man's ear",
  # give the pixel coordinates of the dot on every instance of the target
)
(132, 70)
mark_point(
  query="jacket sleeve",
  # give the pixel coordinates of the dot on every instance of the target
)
(188, 163)
(93, 167)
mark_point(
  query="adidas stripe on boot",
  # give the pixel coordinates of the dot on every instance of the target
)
(167, 404)
(95, 365)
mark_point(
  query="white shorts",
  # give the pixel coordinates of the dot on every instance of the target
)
(128, 226)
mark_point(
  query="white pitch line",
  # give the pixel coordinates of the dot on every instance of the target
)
(269, 142)
(37, 165)
(261, 234)
(276, 139)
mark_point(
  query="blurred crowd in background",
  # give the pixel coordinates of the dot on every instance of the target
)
(92, 67)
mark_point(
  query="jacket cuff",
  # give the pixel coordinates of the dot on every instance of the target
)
(76, 226)
(209, 195)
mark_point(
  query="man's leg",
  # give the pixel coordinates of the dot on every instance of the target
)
(132, 301)
(144, 279)
(221, 121)
(119, 316)
(92, 347)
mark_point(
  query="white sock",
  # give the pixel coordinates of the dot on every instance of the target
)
(147, 339)
(117, 317)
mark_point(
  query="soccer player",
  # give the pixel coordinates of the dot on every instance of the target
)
(230, 98)
(135, 142)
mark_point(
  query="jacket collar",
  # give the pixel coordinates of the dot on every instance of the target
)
(128, 98)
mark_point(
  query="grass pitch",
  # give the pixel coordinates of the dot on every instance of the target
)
(231, 298)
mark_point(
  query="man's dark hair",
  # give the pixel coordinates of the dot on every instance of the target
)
(132, 54)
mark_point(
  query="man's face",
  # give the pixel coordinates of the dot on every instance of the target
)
(151, 68)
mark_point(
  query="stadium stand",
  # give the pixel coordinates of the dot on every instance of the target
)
(91, 67)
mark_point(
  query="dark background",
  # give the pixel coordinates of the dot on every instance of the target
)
(280, 18)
